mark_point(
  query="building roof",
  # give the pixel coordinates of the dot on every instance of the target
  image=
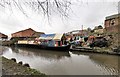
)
(36, 34)
(24, 30)
(78, 31)
(26, 33)
(113, 16)
(3, 35)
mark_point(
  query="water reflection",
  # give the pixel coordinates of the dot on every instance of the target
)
(65, 63)
(109, 63)
(42, 53)
(2, 49)
(106, 62)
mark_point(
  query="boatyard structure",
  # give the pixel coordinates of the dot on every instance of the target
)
(3, 36)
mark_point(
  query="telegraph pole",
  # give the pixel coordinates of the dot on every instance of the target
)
(82, 30)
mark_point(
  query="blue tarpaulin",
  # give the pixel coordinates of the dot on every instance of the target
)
(51, 36)
(47, 36)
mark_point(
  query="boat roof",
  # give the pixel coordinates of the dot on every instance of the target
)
(58, 37)
(51, 36)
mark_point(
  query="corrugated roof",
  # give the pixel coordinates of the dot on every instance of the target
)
(3, 35)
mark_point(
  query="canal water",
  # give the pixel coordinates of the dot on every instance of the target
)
(64, 63)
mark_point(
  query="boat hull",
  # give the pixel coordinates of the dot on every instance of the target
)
(58, 48)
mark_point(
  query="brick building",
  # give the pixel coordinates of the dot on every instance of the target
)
(112, 23)
(26, 33)
(76, 34)
(3, 36)
(112, 29)
(79, 33)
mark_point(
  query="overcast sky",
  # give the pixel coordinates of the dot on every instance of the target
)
(89, 13)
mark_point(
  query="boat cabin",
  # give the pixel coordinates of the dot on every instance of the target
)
(51, 39)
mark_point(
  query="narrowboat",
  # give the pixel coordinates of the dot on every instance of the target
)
(46, 41)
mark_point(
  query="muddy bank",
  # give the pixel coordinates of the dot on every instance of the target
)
(9, 67)
(109, 51)
(103, 50)
(6, 43)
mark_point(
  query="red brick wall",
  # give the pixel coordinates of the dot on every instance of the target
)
(111, 28)
(107, 23)
(25, 33)
(28, 33)
(3, 35)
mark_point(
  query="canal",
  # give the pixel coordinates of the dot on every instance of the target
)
(64, 63)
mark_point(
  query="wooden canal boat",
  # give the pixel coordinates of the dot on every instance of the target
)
(46, 41)
(57, 48)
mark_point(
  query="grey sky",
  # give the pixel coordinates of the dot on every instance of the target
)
(88, 13)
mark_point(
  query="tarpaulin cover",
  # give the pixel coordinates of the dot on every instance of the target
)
(51, 36)
(58, 37)
(47, 36)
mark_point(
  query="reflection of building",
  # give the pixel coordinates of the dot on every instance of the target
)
(52, 55)
(3, 36)
(112, 23)
(109, 62)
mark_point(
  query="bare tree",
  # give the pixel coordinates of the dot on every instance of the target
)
(47, 7)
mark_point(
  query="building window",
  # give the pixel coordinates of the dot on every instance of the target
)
(112, 22)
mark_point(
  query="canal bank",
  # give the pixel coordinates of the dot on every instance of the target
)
(64, 63)
(10, 67)
(103, 50)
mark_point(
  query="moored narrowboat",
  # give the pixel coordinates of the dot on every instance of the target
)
(46, 41)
